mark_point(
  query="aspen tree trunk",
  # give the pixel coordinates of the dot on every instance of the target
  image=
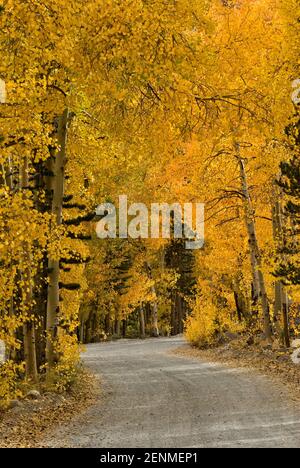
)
(29, 326)
(238, 299)
(155, 330)
(142, 322)
(255, 278)
(30, 352)
(285, 315)
(2, 92)
(256, 258)
(281, 305)
(242, 301)
(278, 300)
(7, 174)
(53, 264)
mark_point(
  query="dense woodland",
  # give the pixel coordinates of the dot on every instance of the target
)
(165, 101)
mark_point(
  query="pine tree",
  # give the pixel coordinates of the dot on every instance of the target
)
(290, 184)
(182, 261)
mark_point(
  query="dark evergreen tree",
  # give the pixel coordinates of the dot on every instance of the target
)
(290, 185)
(178, 258)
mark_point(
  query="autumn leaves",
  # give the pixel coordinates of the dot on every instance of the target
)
(174, 102)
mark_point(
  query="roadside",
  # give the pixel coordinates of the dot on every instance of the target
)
(273, 361)
(28, 420)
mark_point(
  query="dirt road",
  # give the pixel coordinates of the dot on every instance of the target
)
(152, 398)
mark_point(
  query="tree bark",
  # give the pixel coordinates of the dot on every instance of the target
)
(285, 315)
(256, 259)
(142, 322)
(155, 330)
(53, 264)
(242, 302)
(281, 305)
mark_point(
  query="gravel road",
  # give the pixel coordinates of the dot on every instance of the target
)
(152, 398)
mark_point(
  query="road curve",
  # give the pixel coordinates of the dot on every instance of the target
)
(155, 399)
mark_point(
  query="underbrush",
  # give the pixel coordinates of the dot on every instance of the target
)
(209, 323)
(63, 377)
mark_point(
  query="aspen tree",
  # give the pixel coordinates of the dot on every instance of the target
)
(253, 244)
(58, 190)
(2, 92)
(142, 321)
(27, 292)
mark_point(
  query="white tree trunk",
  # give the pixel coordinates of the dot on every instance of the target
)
(53, 264)
(256, 259)
(2, 92)
(142, 321)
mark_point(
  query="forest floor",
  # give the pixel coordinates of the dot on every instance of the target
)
(152, 397)
(25, 425)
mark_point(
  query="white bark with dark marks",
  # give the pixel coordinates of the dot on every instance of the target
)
(255, 253)
(58, 187)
